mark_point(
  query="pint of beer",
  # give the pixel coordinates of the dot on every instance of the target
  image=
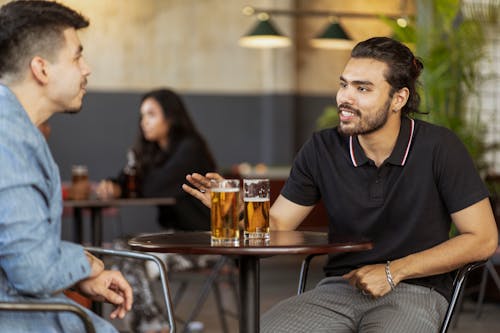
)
(256, 200)
(224, 211)
(80, 185)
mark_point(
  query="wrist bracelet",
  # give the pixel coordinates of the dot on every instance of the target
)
(389, 276)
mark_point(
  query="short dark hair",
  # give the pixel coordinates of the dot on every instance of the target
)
(33, 27)
(403, 67)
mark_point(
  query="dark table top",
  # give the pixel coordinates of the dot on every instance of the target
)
(97, 203)
(281, 242)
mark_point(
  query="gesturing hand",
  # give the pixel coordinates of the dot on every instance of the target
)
(200, 186)
(109, 286)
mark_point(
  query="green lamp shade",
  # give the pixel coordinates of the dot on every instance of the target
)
(334, 37)
(264, 35)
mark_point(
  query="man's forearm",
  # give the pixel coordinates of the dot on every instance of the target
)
(442, 258)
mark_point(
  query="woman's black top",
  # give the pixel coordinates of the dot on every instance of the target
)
(166, 179)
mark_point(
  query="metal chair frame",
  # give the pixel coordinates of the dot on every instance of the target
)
(39, 306)
(458, 285)
(212, 282)
(58, 307)
(489, 269)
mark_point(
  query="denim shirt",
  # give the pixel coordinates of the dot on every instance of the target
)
(33, 259)
(35, 264)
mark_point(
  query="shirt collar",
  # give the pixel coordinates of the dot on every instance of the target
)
(400, 152)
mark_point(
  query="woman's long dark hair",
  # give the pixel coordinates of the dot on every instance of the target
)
(149, 154)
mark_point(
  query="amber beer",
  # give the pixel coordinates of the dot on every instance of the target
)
(80, 186)
(256, 217)
(257, 204)
(224, 211)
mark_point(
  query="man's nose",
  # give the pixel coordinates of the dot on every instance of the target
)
(345, 95)
(85, 68)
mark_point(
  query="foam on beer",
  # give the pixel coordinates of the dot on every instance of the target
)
(255, 199)
(217, 189)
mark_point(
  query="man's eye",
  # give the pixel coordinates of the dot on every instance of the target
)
(343, 84)
(362, 89)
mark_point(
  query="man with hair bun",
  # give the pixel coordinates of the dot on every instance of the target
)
(42, 72)
(395, 180)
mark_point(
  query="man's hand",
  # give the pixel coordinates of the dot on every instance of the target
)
(200, 186)
(370, 279)
(96, 264)
(109, 286)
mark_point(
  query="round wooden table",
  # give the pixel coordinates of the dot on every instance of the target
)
(249, 253)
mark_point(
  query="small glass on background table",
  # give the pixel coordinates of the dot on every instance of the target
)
(80, 185)
(256, 200)
(224, 213)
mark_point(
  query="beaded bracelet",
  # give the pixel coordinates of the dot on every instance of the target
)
(389, 276)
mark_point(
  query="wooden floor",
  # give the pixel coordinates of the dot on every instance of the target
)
(279, 277)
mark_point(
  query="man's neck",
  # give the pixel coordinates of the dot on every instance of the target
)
(379, 145)
(33, 102)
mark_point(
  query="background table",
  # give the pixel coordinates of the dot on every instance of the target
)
(96, 206)
(249, 253)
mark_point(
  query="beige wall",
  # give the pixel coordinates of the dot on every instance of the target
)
(191, 45)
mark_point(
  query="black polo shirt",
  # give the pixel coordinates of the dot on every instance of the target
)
(403, 206)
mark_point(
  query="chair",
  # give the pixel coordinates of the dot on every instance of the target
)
(212, 282)
(217, 269)
(458, 284)
(19, 306)
(58, 307)
(489, 268)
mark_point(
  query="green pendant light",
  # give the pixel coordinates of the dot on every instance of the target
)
(333, 37)
(264, 35)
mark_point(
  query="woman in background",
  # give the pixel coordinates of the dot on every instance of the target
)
(168, 147)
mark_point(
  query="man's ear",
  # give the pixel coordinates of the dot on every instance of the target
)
(400, 98)
(38, 67)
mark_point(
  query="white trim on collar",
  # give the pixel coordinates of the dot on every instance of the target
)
(407, 150)
(351, 150)
(410, 139)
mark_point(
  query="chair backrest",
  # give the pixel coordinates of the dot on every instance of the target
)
(53, 307)
(458, 285)
(161, 267)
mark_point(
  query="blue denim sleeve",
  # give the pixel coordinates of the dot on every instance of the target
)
(34, 258)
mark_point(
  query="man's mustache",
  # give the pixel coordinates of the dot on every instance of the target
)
(348, 107)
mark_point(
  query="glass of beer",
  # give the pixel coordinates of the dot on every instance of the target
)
(224, 211)
(80, 185)
(256, 201)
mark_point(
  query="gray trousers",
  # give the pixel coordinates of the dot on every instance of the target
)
(336, 306)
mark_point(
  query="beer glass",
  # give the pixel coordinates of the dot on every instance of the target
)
(256, 201)
(224, 211)
(80, 186)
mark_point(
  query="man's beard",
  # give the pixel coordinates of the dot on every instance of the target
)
(368, 124)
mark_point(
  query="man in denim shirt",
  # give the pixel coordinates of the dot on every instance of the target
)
(42, 72)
